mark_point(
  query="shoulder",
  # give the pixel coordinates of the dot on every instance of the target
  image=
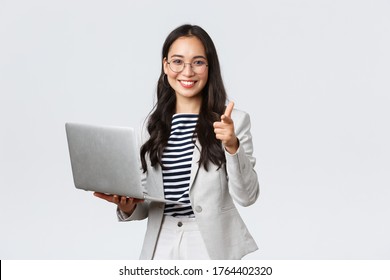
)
(240, 117)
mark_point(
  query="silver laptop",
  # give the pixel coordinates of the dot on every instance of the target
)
(105, 159)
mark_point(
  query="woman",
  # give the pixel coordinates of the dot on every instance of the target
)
(195, 151)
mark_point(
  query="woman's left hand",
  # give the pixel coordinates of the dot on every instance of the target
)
(224, 130)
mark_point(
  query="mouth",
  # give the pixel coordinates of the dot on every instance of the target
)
(187, 84)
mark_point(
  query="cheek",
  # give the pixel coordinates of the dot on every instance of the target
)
(171, 75)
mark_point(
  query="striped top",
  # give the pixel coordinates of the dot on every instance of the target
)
(177, 159)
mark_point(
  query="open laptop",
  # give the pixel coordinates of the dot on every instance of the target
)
(105, 159)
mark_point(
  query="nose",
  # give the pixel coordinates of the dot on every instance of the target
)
(188, 71)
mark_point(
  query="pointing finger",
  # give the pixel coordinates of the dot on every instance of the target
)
(229, 109)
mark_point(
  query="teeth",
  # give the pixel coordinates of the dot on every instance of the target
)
(187, 83)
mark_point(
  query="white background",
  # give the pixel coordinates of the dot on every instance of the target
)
(314, 76)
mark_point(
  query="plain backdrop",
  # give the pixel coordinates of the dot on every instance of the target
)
(313, 75)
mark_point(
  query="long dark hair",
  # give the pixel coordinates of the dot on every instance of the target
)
(213, 106)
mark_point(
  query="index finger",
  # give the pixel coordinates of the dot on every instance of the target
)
(229, 109)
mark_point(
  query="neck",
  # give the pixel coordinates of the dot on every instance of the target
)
(191, 105)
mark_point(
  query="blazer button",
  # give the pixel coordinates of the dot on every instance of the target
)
(198, 209)
(179, 224)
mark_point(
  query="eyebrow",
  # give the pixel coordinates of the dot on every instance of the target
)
(182, 56)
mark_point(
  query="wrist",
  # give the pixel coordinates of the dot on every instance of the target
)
(232, 149)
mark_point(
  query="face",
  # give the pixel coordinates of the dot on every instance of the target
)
(188, 83)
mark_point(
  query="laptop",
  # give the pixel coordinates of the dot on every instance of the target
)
(105, 159)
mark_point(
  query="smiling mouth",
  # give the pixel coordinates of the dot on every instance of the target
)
(187, 84)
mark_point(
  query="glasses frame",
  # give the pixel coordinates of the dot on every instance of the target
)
(184, 67)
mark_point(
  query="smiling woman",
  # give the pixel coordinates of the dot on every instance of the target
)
(197, 151)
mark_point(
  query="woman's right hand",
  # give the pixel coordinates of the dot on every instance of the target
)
(125, 204)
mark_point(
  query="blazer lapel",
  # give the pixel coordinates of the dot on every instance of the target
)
(195, 162)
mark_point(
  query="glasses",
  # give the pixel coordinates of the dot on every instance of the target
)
(178, 65)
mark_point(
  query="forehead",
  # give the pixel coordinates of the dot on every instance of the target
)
(187, 47)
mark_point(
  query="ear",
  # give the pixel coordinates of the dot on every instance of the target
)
(165, 64)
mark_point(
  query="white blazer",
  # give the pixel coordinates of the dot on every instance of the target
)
(211, 194)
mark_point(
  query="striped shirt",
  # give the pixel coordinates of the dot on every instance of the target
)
(177, 159)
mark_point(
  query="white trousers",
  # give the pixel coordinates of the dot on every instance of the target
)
(180, 239)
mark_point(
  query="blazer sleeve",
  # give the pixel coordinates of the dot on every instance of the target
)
(140, 213)
(242, 178)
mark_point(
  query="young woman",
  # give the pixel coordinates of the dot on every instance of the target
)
(198, 151)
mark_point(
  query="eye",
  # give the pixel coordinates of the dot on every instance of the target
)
(177, 61)
(199, 63)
